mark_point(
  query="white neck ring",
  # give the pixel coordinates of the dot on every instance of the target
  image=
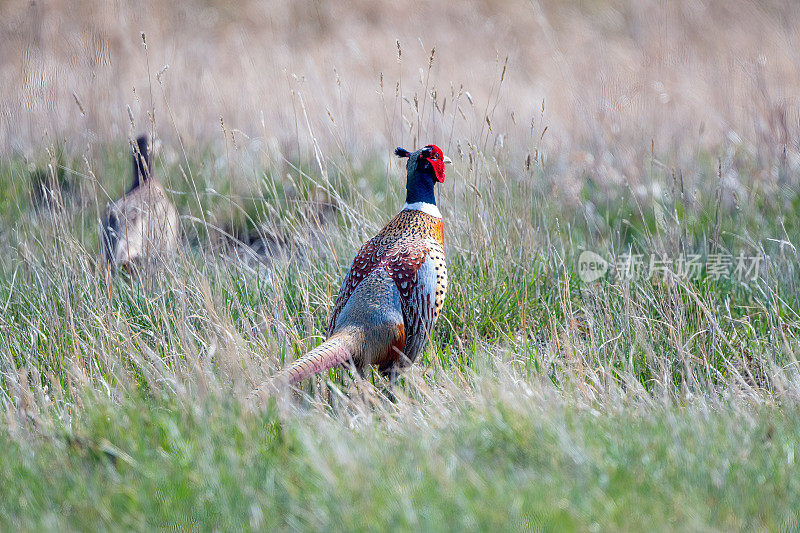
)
(425, 207)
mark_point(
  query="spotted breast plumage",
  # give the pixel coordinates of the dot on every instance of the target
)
(395, 287)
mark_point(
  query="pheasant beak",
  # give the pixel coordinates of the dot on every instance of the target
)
(448, 161)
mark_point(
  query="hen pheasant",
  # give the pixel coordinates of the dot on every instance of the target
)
(143, 224)
(394, 290)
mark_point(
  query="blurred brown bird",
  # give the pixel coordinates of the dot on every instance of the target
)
(142, 226)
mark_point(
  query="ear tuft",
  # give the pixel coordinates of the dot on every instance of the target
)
(401, 152)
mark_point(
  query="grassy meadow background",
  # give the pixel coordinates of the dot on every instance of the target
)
(544, 403)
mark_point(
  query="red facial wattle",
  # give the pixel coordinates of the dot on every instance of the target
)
(436, 159)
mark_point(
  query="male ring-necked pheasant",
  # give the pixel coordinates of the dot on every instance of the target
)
(395, 287)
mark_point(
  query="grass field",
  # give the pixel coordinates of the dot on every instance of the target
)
(546, 401)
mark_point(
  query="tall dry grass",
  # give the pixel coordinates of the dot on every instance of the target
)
(533, 100)
(653, 127)
(618, 79)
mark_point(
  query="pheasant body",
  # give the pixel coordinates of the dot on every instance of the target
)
(143, 224)
(394, 289)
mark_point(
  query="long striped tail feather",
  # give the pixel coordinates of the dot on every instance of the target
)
(336, 350)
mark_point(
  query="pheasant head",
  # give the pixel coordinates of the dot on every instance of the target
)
(424, 169)
(142, 169)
